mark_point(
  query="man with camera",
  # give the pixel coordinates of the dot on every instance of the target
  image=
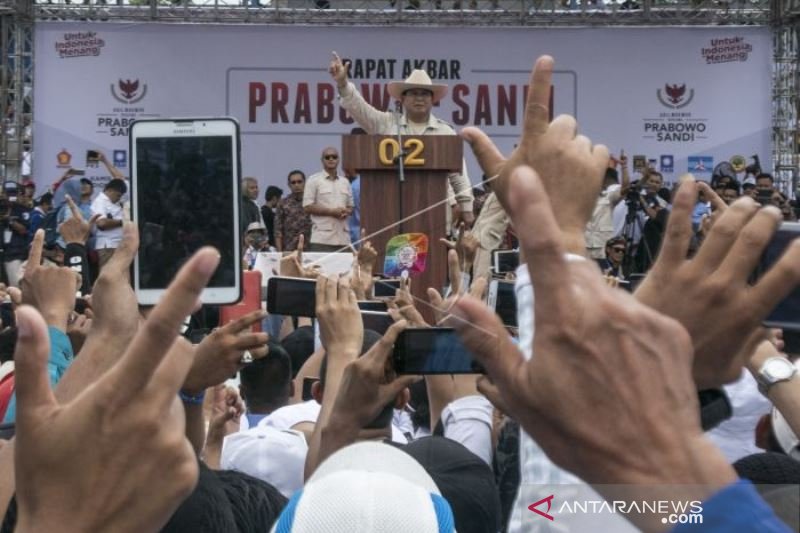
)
(15, 221)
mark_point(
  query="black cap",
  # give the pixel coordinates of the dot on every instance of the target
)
(464, 479)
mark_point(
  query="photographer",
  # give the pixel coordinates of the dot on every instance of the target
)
(15, 223)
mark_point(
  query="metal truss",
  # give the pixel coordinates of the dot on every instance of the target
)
(16, 85)
(785, 141)
(416, 12)
(17, 18)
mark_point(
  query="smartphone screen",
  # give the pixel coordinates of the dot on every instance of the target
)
(291, 296)
(372, 305)
(503, 300)
(185, 195)
(787, 313)
(385, 288)
(432, 351)
(307, 384)
(377, 322)
(505, 261)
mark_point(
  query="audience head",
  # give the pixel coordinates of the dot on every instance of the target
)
(250, 188)
(266, 383)
(273, 195)
(465, 480)
(297, 181)
(115, 189)
(368, 483)
(299, 344)
(765, 182)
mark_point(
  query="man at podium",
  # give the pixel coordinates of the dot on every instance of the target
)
(417, 94)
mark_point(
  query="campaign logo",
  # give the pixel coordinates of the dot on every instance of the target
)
(127, 91)
(701, 164)
(120, 158)
(64, 158)
(676, 97)
(549, 501)
(667, 163)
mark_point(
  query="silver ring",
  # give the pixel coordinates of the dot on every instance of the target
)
(246, 358)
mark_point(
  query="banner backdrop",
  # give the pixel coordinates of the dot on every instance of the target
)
(680, 98)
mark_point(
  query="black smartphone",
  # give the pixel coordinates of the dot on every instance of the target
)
(292, 296)
(385, 288)
(307, 384)
(503, 300)
(80, 305)
(7, 316)
(764, 197)
(7, 431)
(372, 305)
(791, 342)
(433, 351)
(92, 156)
(377, 322)
(504, 261)
(786, 314)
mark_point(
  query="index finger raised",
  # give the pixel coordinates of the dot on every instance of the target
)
(537, 109)
(35, 256)
(76, 213)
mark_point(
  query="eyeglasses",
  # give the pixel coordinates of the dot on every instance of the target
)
(330, 157)
(618, 250)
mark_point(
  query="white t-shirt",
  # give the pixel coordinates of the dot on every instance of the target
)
(289, 416)
(736, 437)
(103, 206)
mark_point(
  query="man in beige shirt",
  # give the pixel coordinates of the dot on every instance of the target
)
(417, 95)
(328, 198)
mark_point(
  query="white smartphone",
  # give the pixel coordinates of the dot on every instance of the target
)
(503, 301)
(185, 176)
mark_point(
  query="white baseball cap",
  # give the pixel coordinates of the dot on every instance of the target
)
(368, 487)
(277, 456)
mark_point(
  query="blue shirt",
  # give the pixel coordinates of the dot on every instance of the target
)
(354, 221)
(737, 507)
(60, 358)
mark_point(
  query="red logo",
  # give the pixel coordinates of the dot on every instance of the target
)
(128, 92)
(549, 500)
(676, 97)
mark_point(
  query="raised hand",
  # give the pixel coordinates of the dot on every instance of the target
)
(570, 168)
(724, 309)
(76, 229)
(600, 359)
(122, 438)
(338, 70)
(49, 289)
(219, 354)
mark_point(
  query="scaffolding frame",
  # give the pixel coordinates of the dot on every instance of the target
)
(18, 17)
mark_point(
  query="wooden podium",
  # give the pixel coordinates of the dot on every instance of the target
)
(389, 208)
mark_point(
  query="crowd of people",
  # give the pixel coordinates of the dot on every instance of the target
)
(670, 392)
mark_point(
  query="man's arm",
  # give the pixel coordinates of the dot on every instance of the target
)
(108, 223)
(114, 171)
(369, 118)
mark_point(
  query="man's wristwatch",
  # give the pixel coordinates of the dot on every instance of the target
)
(774, 370)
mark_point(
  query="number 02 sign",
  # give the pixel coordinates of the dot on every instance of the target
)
(388, 150)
